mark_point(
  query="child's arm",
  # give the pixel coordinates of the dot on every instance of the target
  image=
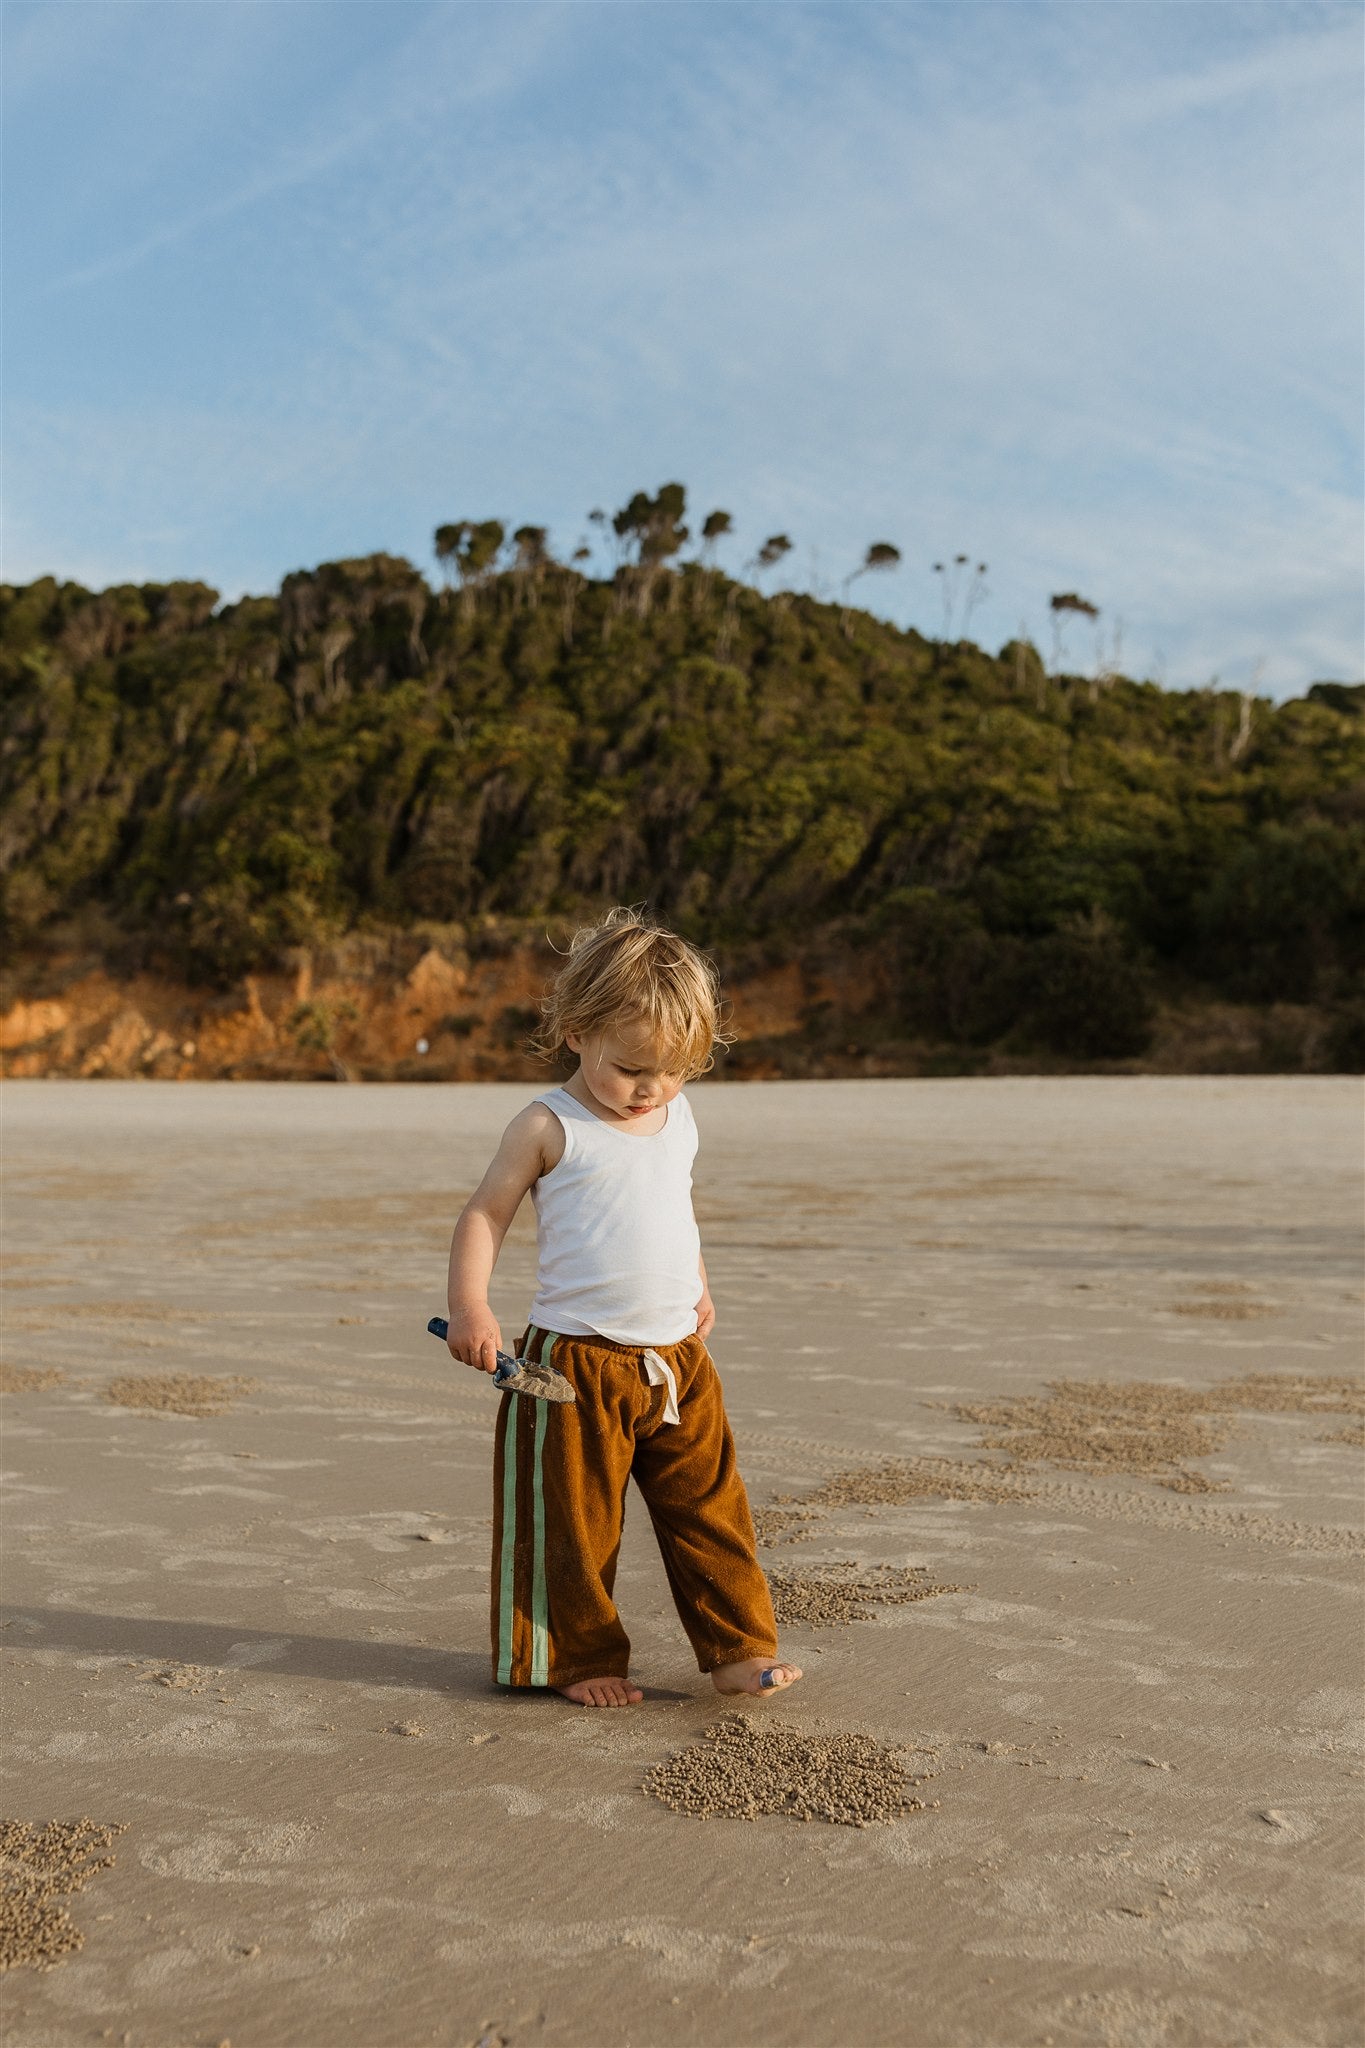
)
(532, 1143)
(706, 1308)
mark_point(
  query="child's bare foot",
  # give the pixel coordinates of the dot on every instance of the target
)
(755, 1674)
(602, 1692)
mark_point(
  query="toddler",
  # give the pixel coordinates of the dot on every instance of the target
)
(622, 1309)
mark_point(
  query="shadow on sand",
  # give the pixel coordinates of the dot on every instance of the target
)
(459, 1674)
(463, 1673)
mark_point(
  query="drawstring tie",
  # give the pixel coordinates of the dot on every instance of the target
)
(659, 1373)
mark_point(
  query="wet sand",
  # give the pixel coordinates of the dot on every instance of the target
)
(1093, 1761)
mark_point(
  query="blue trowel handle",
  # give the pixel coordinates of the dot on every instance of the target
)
(506, 1367)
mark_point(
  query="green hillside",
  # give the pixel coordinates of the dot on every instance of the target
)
(1020, 859)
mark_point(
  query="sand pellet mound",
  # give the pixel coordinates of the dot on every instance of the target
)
(179, 1393)
(782, 1523)
(898, 1481)
(835, 1594)
(789, 1517)
(741, 1771)
(127, 1312)
(1225, 1311)
(38, 1868)
(1148, 1428)
(182, 1677)
(1144, 1429)
(1290, 1393)
(29, 1379)
(1354, 1433)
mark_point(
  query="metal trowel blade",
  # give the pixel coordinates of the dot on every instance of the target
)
(519, 1375)
(541, 1382)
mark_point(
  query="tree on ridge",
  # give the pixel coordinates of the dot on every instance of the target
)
(530, 559)
(654, 528)
(882, 555)
(771, 553)
(470, 547)
(1062, 604)
(715, 527)
(955, 584)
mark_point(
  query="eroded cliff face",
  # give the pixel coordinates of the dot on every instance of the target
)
(353, 1013)
(358, 1013)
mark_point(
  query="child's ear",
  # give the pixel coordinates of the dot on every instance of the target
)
(573, 1041)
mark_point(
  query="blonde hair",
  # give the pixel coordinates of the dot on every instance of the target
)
(625, 968)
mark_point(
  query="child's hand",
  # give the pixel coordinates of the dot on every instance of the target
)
(706, 1314)
(474, 1337)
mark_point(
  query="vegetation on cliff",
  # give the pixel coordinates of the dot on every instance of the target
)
(1009, 856)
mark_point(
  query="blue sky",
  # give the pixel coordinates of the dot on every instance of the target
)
(1075, 289)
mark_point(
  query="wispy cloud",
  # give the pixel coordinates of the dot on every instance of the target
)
(1074, 288)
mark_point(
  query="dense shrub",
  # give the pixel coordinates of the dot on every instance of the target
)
(1085, 995)
(1030, 857)
(1284, 916)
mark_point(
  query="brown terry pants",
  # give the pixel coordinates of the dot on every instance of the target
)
(559, 1491)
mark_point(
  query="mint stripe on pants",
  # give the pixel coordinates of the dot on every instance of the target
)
(540, 1630)
(522, 1414)
(507, 1576)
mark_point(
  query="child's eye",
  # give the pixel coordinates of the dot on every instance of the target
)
(629, 1072)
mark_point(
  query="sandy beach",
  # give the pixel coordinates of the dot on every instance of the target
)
(1047, 1396)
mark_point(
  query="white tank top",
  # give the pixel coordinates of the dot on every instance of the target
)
(617, 1241)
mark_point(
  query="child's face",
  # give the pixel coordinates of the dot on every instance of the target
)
(624, 1068)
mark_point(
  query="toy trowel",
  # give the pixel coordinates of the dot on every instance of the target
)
(519, 1375)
